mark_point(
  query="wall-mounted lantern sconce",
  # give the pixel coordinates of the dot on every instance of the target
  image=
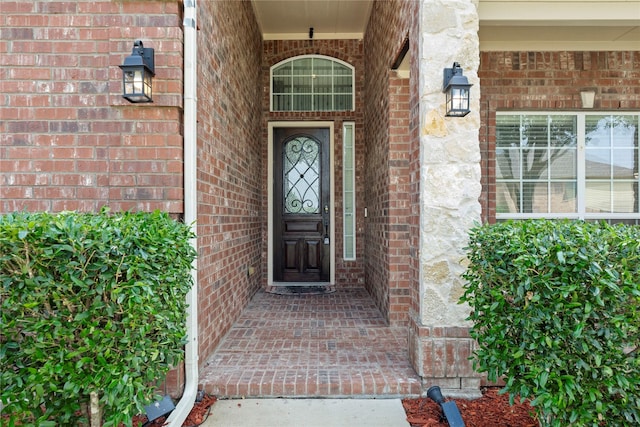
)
(587, 97)
(457, 88)
(137, 74)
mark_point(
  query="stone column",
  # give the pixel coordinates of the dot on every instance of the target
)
(449, 192)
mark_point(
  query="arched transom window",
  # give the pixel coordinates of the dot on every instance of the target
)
(312, 83)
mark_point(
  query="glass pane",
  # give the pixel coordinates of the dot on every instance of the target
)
(563, 131)
(322, 102)
(625, 143)
(625, 197)
(343, 84)
(348, 155)
(508, 163)
(282, 85)
(563, 163)
(322, 67)
(508, 131)
(625, 163)
(283, 70)
(624, 131)
(535, 197)
(301, 160)
(343, 102)
(598, 196)
(302, 66)
(348, 246)
(534, 131)
(322, 85)
(348, 202)
(598, 163)
(348, 178)
(302, 84)
(507, 196)
(339, 69)
(301, 102)
(563, 197)
(535, 164)
(282, 102)
(597, 131)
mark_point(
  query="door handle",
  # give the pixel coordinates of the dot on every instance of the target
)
(326, 225)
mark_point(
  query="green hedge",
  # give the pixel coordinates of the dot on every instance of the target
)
(556, 313)
(90, 303)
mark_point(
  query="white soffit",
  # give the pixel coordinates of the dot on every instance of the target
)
(559, 25)
(330, 19)
(508, 25)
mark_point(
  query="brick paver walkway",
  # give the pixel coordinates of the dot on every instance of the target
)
(335, 345)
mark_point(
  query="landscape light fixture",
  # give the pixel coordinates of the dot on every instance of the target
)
(137, 74)
(159, 408)
(450, 411)
(456, 86)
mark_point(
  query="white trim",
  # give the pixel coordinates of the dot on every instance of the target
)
(559, 12)
(332, 247)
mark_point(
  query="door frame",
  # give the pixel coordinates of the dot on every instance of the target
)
(270, 171)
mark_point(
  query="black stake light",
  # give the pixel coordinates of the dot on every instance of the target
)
(137, 74)
(457, 88)
(449, 409)
(159, 408)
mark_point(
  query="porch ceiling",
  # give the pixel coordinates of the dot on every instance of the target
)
(504, 24)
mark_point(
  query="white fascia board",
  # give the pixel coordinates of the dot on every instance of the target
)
(562, 12)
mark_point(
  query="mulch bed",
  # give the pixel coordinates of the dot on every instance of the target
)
(491, 410)
(197, 416)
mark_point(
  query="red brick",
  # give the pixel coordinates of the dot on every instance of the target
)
(549, 81)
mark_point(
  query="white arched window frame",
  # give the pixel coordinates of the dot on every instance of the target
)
(312, 83)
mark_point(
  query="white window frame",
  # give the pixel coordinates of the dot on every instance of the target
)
(580, 212)
(312, 93)
(349, 191)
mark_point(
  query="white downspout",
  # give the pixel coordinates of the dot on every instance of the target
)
(184, 406)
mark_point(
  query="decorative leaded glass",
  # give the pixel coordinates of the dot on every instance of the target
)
(301, 160)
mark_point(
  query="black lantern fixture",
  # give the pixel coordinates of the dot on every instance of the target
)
(137, 74)
(456, 86)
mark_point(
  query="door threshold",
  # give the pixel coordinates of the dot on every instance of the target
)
(309, 288)
(287, 284)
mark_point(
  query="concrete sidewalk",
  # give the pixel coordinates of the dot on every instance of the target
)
(307, 413)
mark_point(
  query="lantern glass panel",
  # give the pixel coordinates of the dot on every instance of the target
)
(137, 85)
(458, 101)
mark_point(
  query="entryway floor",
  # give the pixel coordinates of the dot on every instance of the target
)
(333, 345)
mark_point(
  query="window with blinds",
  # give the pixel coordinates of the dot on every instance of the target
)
(312, 83)
(573, 165)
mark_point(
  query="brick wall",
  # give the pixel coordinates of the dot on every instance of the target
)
(549, 81)
(348, 273)
(390, 143)
(68, 140)
(399, 200)
(231, 190)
